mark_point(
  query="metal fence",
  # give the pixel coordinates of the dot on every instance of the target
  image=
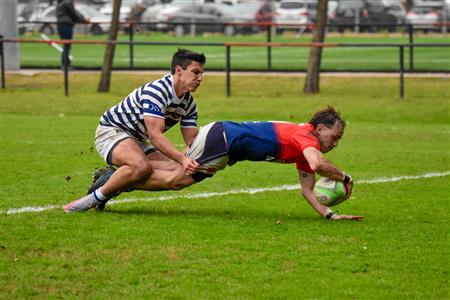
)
(268, 27)
(228, 46)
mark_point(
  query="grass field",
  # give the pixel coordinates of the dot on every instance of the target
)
(233, 244)
(255, 58)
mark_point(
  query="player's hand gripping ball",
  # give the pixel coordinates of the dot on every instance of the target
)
(330, 192)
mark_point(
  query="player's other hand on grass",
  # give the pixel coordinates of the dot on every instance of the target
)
(347, 217)
(190, 166)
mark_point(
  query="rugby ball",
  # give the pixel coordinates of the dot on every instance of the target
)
(329, 192)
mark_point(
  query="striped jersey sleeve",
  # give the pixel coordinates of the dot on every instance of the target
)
(155, 97)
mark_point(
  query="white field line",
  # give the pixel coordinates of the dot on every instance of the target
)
(230, 192)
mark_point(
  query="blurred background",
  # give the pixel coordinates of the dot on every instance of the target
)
(181, 17)
(154, 28)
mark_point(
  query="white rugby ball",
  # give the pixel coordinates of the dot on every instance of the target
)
(329, 192)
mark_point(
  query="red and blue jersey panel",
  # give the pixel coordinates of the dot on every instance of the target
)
(270, 141)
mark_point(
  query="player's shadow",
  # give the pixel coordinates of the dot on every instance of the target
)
(222, 213)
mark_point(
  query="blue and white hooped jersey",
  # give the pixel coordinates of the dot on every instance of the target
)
(155, 99)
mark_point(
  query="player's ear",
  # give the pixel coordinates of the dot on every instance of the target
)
(178, 69)
(319, 128)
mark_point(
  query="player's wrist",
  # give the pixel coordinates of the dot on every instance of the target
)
(330, 214)
(180, 158)
(347, 179)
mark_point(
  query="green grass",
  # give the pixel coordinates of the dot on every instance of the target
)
(237, 246)
(255, 58)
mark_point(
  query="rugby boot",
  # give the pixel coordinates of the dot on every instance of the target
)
(99, 178)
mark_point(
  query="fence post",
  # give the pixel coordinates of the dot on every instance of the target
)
(269, 49)
(228, 67)
(411, 48)
(65, 65)
(131, 35)
(401, 73)
(356, 24)
(2, 61)
(66, 79)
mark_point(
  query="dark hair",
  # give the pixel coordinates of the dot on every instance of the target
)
(327, 117)
(184, 58)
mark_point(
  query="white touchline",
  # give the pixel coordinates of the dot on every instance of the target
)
(230, 192)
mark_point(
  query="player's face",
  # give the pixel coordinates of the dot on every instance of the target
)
(329, 137)
(191, 78)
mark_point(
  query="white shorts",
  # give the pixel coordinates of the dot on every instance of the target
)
(107, 138)
(209, 148)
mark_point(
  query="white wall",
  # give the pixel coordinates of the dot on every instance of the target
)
(9, 29)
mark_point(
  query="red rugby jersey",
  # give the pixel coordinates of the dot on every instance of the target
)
(294, 138)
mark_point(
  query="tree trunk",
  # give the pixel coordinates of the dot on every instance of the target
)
(105, 79)
(312, 80)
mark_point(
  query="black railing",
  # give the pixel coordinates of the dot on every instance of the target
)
(324, 45)
(268, 26)
(228, 52)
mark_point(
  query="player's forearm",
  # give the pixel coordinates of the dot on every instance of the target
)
(326, 169)
(330, 171)
(311, 198)
(321, 165)
(160, 142)
(307, 182)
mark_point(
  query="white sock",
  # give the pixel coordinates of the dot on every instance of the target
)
(98, 195)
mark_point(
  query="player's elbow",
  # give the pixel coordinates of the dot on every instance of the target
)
(318, 166)
(315, 167)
